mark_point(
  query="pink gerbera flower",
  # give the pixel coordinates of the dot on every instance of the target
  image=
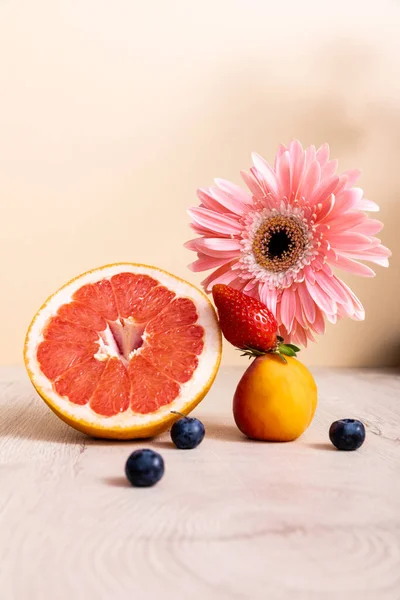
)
(280, 242)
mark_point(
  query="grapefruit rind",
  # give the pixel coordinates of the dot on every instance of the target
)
(127, 425)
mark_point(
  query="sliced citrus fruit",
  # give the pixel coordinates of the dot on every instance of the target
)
(115, 350)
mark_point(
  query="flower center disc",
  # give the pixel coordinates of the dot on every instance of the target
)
(279, 243)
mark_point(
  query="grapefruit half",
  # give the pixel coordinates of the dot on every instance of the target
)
(116, 349)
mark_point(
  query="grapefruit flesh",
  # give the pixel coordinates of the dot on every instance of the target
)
(118, 348)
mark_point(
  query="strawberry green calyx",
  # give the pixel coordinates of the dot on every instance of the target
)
(281, 349)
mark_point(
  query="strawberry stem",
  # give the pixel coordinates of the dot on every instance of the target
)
(280, 349)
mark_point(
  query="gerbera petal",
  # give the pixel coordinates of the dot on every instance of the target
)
(202, 230)
(208, 201)
(332, 286)
(216, 247)
(268, 296)
(321, 298)
(324, 191)
(300, 336)
(347, 240)
(307, 303)
(234, 190)
(378, 254)
(319, 322)
(353, 266)
(359, 312)
(266, 172)
(297, 157)
(283, 174)
(233, 204)
(324, 209)
(329, 169)
(253, 184)
(368, 205)
(346, 200)
(204, 263)
(369, 227)
(352, 176)
(311, 181)
(322, 155)
(299, 314)
(331, 318)
(224, 274)
(215, 222)
(288, 307)
(346, 221)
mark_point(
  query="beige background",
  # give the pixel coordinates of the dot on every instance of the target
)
(113, 113)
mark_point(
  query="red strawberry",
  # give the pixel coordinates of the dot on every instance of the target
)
(247, 323)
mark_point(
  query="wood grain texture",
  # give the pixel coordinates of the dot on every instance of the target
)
(232, 519)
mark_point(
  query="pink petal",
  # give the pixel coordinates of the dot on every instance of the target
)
(283, 174)
(352, 266)
(299, 315)
(329, 169)
(319, 323)
(266, 173)
(234, 190)
(300, 336)
(347, 240)
(346, 200)
(331, 318)
(224, 274)
(379, 255)
(215, 247)
(208, 201)
(322, 155)
(204, 263)
(233, 204)
(253, 185)
(359, 312)
(202, 230)
(281, 149)
(367, 205)
(324, 209)
(215, 222)
(346, 221)
(321, 299)
(268, 297)
(352, 176)
(324, 191)
(310, 153)
(332, 286)
(311, 181)
(288, 308)
(297, 157)
(369, 227)
(307, 303)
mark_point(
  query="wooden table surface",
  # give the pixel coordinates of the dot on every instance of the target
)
(231, 519)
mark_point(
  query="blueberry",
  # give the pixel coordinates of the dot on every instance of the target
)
(187, 433)
(347, 434)
(144, 468)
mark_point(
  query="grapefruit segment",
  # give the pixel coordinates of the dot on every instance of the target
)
(64, 331)
(80, 382)
(76, 312)
(129, 289)
(100, 298)
(150, 389)
(180, 312)
(56, 357)
(118, 348)
(152, 304)
(189, 338)
(174, 363)
(112, 394)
